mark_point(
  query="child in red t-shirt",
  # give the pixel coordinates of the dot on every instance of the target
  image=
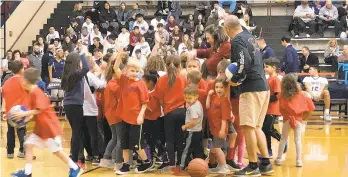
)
(295, 106)
(47, 130)
(219, 112)
(131, 109)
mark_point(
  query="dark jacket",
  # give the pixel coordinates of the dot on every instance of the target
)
(343, 25)
(99, 5)
(108, 16)
(312, 60)
(290, 62)
(267, 52)
(76, 13)
(150, 38)
(123, 15)
(92, 47)
(46, 58)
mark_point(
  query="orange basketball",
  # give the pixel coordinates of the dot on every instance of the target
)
(197, 168)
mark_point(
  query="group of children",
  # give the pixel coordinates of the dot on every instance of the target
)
(170, 110)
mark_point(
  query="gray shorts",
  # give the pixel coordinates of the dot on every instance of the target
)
(231, 127)
(218, 142)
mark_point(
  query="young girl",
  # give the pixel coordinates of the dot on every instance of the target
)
(295, 106)
(219, 112)
(186, 45)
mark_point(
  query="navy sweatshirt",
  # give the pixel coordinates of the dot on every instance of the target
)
(290, 62)
(267, 52)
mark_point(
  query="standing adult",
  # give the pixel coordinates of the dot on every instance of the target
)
(266, 50)
(290, 62)
(35, 58)
(254, 98)
(46, 58)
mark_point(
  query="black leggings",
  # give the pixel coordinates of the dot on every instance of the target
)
(154, 136)
(174, 134)
(90, 130)
(74, 114)
(270, 131)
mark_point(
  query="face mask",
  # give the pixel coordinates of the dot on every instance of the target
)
(140, 75)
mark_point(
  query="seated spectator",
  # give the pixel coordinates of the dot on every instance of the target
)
(55, 71)
(317, 5)
(245, 22)
(123, 38)
(185, 46)
(171, 24)
(17, 55)
(150, 36)
(123, 16)
(304, 16)
(162, 8)
(84, 36)
(331, 52)
(134, 38)
(290, 62)
(140, 57)
(308, 60)
(88, 24)
(341, 8)
(68, 44)
(135, 10)
(98, 6)
(141, 23)
(219, 10)
(70, 32)
(242, 9)
(200, 44)
(95, 45)
(328, 15)
(202, 8)
(108, 19)
(343, 58)
(316, 86)
(199, 31)
(200, 20)
(155, 21)
(159, 48)
(78, 14)
(188, 24)
(344, 28)
(96, 33)
(266, 50)
(174, 9)
(161, 32)
(4, 64)
(75, 26)
(57, 44)
(52, 35)
(143, 46)
(42, 44)
(232, 4)
(97, 56)
(213, 19)
(176, 37)
(80, 48)
(110, 44)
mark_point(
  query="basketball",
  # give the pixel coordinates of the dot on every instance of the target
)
(12, 121)
(230, 70)
(197, 168)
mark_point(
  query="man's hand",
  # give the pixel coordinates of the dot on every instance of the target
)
(233, 84)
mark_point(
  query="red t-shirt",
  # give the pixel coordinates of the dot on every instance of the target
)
(292, 109)
(111, 96)
(275, 87)
(133, 95)
(202, 85)
(153, 109)
(14, 93)
(172, 97)
(47, 124)
(220, 109)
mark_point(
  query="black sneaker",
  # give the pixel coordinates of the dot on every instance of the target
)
(247, 171)
(266, 170)
(95, 161)
(233, 164)
(144, 167)
(212, 165)
(164, 165)
(10, 156)
(123, 170)
(89, 158)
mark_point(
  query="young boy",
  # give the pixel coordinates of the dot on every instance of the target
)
(273, 107)
(132, 105)
(316, 86)
(192, 127)
(11, 86)
(47, 129)
(141, 58)
(195, 64)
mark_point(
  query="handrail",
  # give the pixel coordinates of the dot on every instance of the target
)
(26, 26)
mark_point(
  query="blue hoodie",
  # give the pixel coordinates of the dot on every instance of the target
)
(290, 62)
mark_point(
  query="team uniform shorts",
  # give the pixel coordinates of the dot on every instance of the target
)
(53, 144)
(132, 136)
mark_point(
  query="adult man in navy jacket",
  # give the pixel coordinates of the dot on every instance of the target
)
(290, 62)
(265, 49)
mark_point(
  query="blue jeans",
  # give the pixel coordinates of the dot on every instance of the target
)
(232, 4)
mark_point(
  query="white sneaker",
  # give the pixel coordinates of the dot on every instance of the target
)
(327, 117)
(308, 36)
(299, 163)
(296, 35)
(220, 170)
(278, 162)
(117, 166)
(106, 163)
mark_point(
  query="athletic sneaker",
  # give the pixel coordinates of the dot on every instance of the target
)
(266, 170)
(10, 156)
(75, 173)
(95, 162)
(278, 162)
(163, 165)
(117, 166)
(144, 167)
(247, 171)
(299, 163)
(123, 170)
(19, 173)
(220, 170)
(106, 163)
(233, 164)
(21, 155)
(327, 117)
(89, 158)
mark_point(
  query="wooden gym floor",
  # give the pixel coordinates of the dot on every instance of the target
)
(325, 154)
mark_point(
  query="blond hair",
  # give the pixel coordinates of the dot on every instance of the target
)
(132, 62)
(332, 40)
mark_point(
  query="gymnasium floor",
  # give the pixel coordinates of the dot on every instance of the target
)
(325, 154)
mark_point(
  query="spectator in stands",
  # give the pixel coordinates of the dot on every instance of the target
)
(78, 14)
(317, 5)
(35, 58)
(141, 23)
(136, 10)
(56, 66)
(304, 16)
(98, 6)
(219, 10)
(176, 37)
(316, 86)
(174, 9)
(97, 56)
(171, 24)
(70, 32)
(200, 44)
(161, 32)
(143, 46)
(96, 45)
(155, 21)
(328, 15)
(123, 38)
(232, 4)
(344, 28)
(68, 44)
(331, 52)
(308, 60)
(57, 44)
(343, 58)
(123, 16)
(150, 36)
(162, 8)
(4, 63)
(140, 57)
(243, 8)
(342, 9)
(185, 45)
(203, 8)
(134, 38)
(88, 24)
(52, 35)
(84, 36)
(213, 19)
(80, 48)
(96, 33)
(189, 24)
(244, 20)
(42, 44)
(266, 50)
(108, 19)
(17, 55)
(110, 44)
(290, 62)
(46, 58)
(75, 26)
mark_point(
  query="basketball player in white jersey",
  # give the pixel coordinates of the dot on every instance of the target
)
(316, 86)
